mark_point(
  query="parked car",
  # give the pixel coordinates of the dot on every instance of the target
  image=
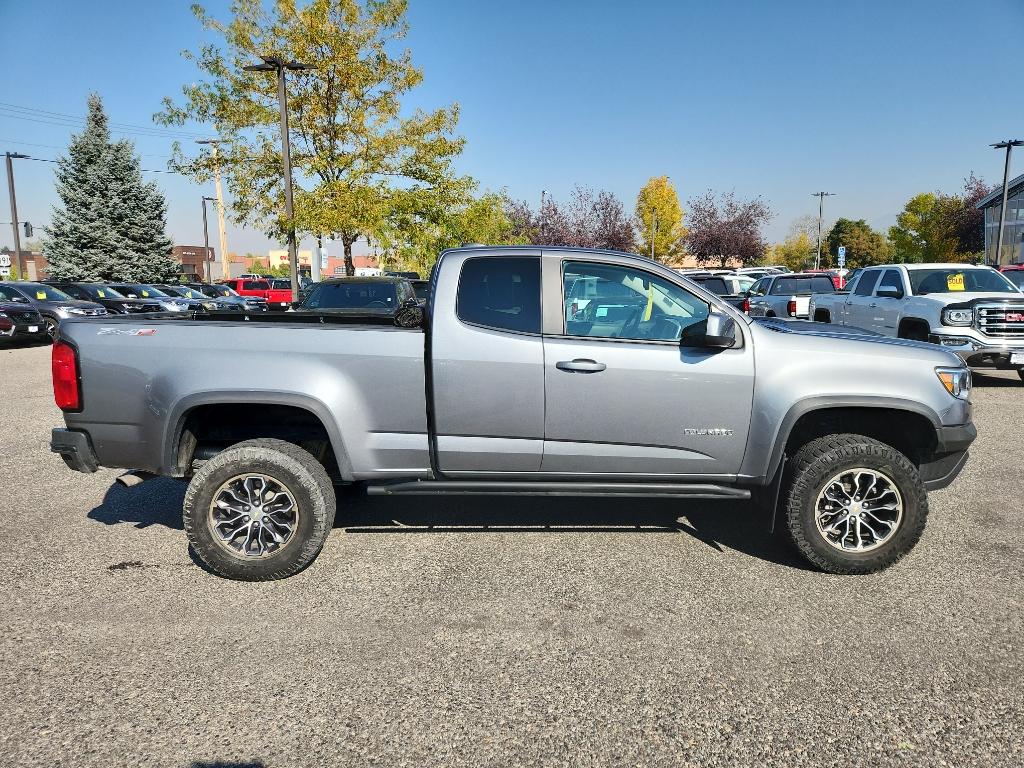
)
(106, 296)
(383, 295)
(223, 293)
(1014, 273)
(973, 311)
(277, 298)
(54, 305)
(167, 302)
(422, 290)
(738, 284)
(785, 295)
(718, 285)
(198, 301)
(406, 275)
(498, 392)
(19, 322)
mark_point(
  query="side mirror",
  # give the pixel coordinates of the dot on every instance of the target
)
(719, 333)
(889, 292)
(410, 303)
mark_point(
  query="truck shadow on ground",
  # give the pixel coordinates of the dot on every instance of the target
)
(995, 380)
(720, 525)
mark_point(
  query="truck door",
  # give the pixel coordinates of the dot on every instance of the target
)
(624, 398)
(888, 304)
(487, 364)
(859, 312)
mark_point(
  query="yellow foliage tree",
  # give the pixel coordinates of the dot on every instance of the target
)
(660, 219)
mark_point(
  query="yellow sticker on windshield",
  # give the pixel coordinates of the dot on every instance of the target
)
(41, 295)
(101, 294)
(955, 282)
(146, 294)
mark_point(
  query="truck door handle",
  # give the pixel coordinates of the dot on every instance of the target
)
(872, 305)
(580, 365)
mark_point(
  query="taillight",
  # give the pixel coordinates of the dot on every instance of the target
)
(791, 307)
(66, 387)
(746, 306)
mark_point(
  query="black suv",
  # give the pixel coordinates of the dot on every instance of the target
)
(115, 302)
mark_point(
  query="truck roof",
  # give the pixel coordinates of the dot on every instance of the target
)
(946, 265)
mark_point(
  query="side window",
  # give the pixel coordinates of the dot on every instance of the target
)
(866, 283)
(891, 279)
(501, 292)
(626, 303)
(758, 288)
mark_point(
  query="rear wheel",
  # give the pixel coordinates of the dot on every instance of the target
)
(1020, 372)
(260, 510)
(854, 505)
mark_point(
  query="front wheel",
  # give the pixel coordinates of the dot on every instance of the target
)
(1020, 372)
(51, 327)
(854, 505)
(260, 510)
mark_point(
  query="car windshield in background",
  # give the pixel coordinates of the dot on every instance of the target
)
(9, 294)
(216, 290)
(186, 292)
(139, 291)
(953, 280)
(353, 296)
(802, 286)
(40, 292)
(1015, 276)
(716, 285)
(421, 288)
(101, 291)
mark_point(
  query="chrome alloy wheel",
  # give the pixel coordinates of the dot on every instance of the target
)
(253, 515)
(858, 510)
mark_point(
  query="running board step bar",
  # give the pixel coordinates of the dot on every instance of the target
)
(542, 488)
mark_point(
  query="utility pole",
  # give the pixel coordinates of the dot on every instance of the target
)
(222, 230)
(272, 64)
(206, 242)
(543, 192)
(14, 211)
(821, 209)
(1008, 145)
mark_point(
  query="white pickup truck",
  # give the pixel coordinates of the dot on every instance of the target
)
(973, 311)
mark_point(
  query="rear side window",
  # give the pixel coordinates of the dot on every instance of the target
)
(256, 285)
(866, 284)
(501, 292)
(802, 285)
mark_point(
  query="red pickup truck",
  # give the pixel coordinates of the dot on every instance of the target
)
(277, 298)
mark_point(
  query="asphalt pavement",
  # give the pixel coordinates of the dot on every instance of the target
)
(502, 632)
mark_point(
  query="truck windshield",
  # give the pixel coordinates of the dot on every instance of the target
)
(802, 285)
(954, 280)
(344, 295)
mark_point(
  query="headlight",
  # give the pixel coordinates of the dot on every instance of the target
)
(957, 316)
(172, 306)
(957, 381)
(210, 305)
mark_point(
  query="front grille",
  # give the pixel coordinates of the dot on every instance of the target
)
(1001, 320)
(25, 317)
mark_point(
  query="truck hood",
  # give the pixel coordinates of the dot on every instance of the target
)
(811, 337)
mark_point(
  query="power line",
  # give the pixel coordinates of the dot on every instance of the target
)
(144, 170)
(48, 117)
(54, 146)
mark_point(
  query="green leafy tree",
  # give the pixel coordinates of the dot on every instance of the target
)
(660, 218)
(864, 246)
(922, 232)
(110, 224)
(797, 252)
(362, 167)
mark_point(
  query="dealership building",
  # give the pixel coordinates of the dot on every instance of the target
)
(1013, 228)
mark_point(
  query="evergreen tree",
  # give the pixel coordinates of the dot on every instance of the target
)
(111, 223)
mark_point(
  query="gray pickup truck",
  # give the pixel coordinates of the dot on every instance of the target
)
(651, 387)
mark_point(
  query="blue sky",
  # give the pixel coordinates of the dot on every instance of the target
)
(874, 101)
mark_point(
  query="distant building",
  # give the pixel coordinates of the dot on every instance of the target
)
(194, 260)
(33, 263)
(280, 259)
(365, 265)
(1013, 228)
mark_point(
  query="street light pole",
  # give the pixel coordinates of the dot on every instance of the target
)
(221, 229)
(14, 211)
(1008, 146)
(821, 209)
(272, 64)
(206, 241)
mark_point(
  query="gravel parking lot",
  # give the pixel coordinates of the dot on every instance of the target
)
(494, 632)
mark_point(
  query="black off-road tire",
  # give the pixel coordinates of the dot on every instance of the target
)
(815, 464)
(286, 463)
(1020, 372)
